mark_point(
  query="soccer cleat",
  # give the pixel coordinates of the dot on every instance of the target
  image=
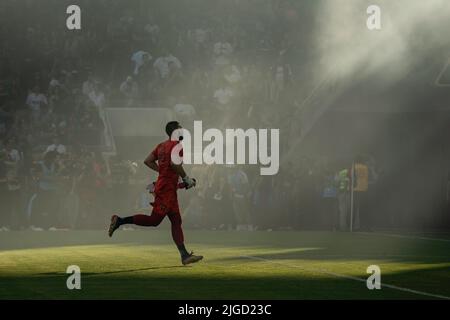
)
(190, 258)
(114, 225)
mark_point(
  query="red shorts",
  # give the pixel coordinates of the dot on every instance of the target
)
(166, 203)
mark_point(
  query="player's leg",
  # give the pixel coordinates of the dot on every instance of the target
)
(138, 219)
(158, 213)
(178, 238)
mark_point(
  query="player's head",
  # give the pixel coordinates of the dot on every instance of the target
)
(171, 127)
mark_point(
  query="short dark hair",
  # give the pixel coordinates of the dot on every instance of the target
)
(171, 127)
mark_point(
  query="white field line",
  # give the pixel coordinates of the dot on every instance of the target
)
(339, 275)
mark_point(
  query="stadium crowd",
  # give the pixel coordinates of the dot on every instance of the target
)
(230, 62)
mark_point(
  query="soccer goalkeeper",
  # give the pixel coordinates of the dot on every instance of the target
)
(166, 203)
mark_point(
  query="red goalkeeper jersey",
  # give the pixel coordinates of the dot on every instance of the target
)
(167, 179)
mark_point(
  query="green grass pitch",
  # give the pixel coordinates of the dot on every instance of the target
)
(144, 264)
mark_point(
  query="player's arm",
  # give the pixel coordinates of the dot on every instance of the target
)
(178, 168)
(150, 162)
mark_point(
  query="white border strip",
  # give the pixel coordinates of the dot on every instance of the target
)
(339, 275)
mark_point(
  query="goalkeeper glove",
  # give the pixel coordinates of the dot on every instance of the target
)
(189, 182)
(151, 187)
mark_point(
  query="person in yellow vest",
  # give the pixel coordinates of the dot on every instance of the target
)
(360, 188)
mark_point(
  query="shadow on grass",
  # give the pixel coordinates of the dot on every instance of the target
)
(223, 286)
(86, 274)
